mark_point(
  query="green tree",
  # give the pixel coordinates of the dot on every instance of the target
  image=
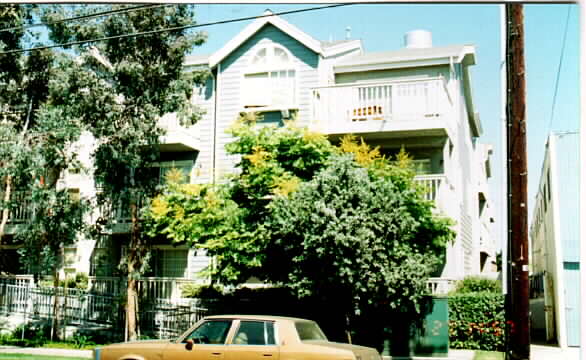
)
(124, 86)
(324, 221)
(36, 135)
(228, 219)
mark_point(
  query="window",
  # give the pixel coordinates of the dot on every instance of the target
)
(309, 330)
(269, 80)
(169, 263)
(255, 333)
(163, 168)
(211, 332)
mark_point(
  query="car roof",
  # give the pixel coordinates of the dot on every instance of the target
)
(255, 317)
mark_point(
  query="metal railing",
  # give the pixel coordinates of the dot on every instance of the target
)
(151, 287)
(162, 317)
(383, 101)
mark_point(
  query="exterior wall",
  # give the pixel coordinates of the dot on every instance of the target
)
(204, 98)
(230, 79)
(555, 239)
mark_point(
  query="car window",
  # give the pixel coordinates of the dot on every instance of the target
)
(309, 330)
(255, 333)
(211, 332)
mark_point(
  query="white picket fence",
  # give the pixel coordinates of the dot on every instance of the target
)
(163, 318)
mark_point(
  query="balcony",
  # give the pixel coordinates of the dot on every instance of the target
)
(23, 210)
(393, 109)
(436, 188)
(178, 138)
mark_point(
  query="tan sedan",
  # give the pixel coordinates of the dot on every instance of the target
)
(241, 337)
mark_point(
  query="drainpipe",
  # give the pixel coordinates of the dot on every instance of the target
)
(215, 123)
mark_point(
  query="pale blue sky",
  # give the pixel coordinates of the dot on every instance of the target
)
(382, 26)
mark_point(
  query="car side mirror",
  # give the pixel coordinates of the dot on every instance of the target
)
(189, 344)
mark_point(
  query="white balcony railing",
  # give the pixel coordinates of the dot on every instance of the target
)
(440, 286)
(337, 105)
(434, 186)
(177, 133)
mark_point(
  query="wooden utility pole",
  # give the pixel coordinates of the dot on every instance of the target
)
(518, 339)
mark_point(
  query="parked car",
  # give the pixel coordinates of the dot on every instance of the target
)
(241, 337)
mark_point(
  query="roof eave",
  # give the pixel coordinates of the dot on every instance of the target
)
(258, 24)
(392, 65)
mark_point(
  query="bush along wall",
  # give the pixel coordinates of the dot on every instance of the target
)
(477, 321)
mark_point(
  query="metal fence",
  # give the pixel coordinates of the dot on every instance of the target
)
(161, 318)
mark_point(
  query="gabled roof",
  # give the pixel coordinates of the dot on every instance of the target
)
(266, 18)
(408, 57)
(196, 60)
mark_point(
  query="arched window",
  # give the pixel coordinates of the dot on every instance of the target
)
(269, 80)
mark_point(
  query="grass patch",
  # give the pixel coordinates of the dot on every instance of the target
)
(37, 357)
(69, 346)
(488, 355)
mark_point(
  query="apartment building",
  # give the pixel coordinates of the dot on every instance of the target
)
(418, 97)
(555, 244)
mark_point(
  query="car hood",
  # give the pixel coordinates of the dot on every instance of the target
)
(361, 352)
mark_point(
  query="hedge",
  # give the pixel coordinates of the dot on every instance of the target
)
(477, 321)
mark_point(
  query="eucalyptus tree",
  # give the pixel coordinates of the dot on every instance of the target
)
(37, 133)
(126, 83)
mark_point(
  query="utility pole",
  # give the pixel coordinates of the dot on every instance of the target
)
(518, 337)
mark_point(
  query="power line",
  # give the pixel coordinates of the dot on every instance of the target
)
(82, 17)
(557, 80)
(171, 29)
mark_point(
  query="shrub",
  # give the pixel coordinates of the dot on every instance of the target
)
(477, 321)
(473, 284)
(201, 291)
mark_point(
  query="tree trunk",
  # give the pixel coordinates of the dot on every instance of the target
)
(5, 212)
(133, 269)
(56, 313)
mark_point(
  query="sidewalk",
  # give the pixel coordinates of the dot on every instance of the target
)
(46, 351)
(538, 352)
(544, 352)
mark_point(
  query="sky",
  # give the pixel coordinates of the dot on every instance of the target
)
(382, 27)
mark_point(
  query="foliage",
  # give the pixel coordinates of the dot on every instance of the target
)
(371, 242)
(201, 291)
(226, 219)
(123, 87)
(300, 206)
(36, 145)
(473, 284)
(477, 321)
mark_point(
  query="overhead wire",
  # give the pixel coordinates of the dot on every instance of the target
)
(557, 80)
(176, 28)
(83, 17)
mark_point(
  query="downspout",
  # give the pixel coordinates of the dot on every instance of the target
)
(215, 122)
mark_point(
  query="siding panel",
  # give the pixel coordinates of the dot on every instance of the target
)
(568, 161)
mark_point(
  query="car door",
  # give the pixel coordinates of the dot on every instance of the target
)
(209, 342)
(253, 340)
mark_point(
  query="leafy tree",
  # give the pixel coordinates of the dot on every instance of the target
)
(36, 135)
(124, 86)
(228, 219)
(324, 221)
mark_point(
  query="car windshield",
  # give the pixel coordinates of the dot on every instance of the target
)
(309, 330)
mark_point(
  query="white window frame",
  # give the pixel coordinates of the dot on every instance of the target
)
(270, 67)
